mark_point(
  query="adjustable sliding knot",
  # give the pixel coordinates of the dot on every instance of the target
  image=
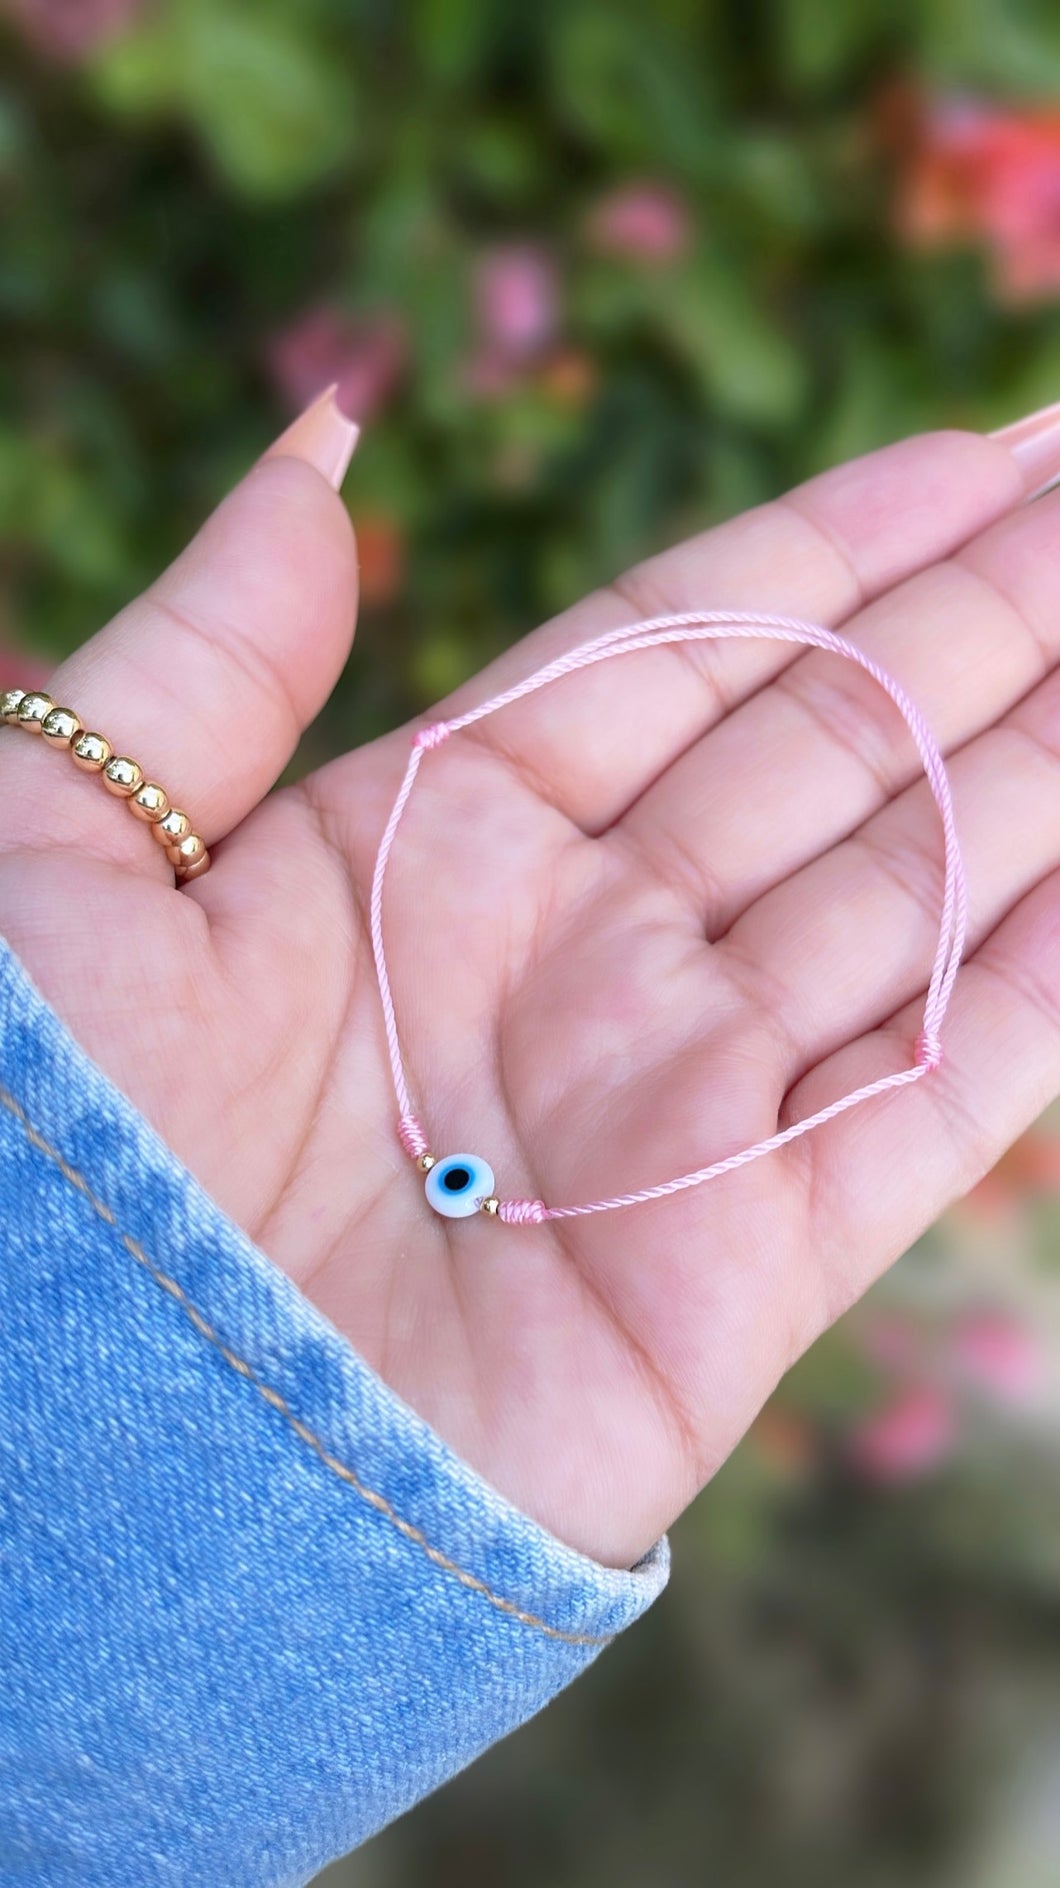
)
(433, 736)
(411, 1136)
(928, 1050)
(522, 1212)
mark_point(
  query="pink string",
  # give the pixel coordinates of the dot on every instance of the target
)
(656, 632)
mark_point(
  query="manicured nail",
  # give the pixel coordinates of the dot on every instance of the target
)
(1034, 443)
(322, 436)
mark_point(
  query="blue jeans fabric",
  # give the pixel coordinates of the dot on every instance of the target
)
(251, 1607)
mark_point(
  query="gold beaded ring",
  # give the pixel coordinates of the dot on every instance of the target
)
(146, 800)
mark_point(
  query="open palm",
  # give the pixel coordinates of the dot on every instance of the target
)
(632, 923)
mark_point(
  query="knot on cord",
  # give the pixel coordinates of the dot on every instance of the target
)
(411, 1136)
(432, 736)
(522, 1212)
(928, 1050)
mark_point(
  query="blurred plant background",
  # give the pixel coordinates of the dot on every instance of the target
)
(596, 275)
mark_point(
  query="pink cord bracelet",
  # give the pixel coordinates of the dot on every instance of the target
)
(462, 1184)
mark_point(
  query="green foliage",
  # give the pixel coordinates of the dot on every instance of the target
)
(225, 165)
(261, 91)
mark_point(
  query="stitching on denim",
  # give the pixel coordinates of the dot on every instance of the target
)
(277, 1402)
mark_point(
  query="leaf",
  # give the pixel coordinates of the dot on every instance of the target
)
(745, 361)
(999, 45)
(273, 109)
(501, 158)
(451, 35)
(636, 93)
(140, 73)
(821, 40)
(275, 113)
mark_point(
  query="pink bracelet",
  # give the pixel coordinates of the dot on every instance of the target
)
(462, 1184)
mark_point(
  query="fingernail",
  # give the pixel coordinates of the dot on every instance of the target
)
(1034, 443)
(322, 436)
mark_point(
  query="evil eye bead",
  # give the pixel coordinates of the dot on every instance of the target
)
(457, 1185)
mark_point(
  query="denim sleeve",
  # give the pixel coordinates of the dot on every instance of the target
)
(251, 1607)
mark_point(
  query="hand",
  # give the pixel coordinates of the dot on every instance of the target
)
(632, 923)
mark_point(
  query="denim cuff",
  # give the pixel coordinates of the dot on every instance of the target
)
(251, 1606)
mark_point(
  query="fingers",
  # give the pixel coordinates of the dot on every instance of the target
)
(812, 756)
(594, 744)
(918, 1149)
(838, 947)
(209, 678)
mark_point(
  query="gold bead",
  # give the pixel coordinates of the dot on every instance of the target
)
(426, 1162)
(172, 828)
(32, 710)
(196, 870)
(492, 1206)
(9, 703)
(60, 727)
(122, 776)
(91, 752)
(187, 853)
(150, 802)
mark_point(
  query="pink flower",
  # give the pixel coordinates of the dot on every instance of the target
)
(380, 557)
(570, 376)
(647, 222)
(20, 669)
(517, 300)
(990, 174)
(892, 1340)
(365, 357)
(997, 1353)
(488, 375)
(1034, 1160)
(908, 1438)
(1030, 1166)
(784, 1439)
(72, 29)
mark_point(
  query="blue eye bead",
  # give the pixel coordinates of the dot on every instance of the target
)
(457, 1185)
